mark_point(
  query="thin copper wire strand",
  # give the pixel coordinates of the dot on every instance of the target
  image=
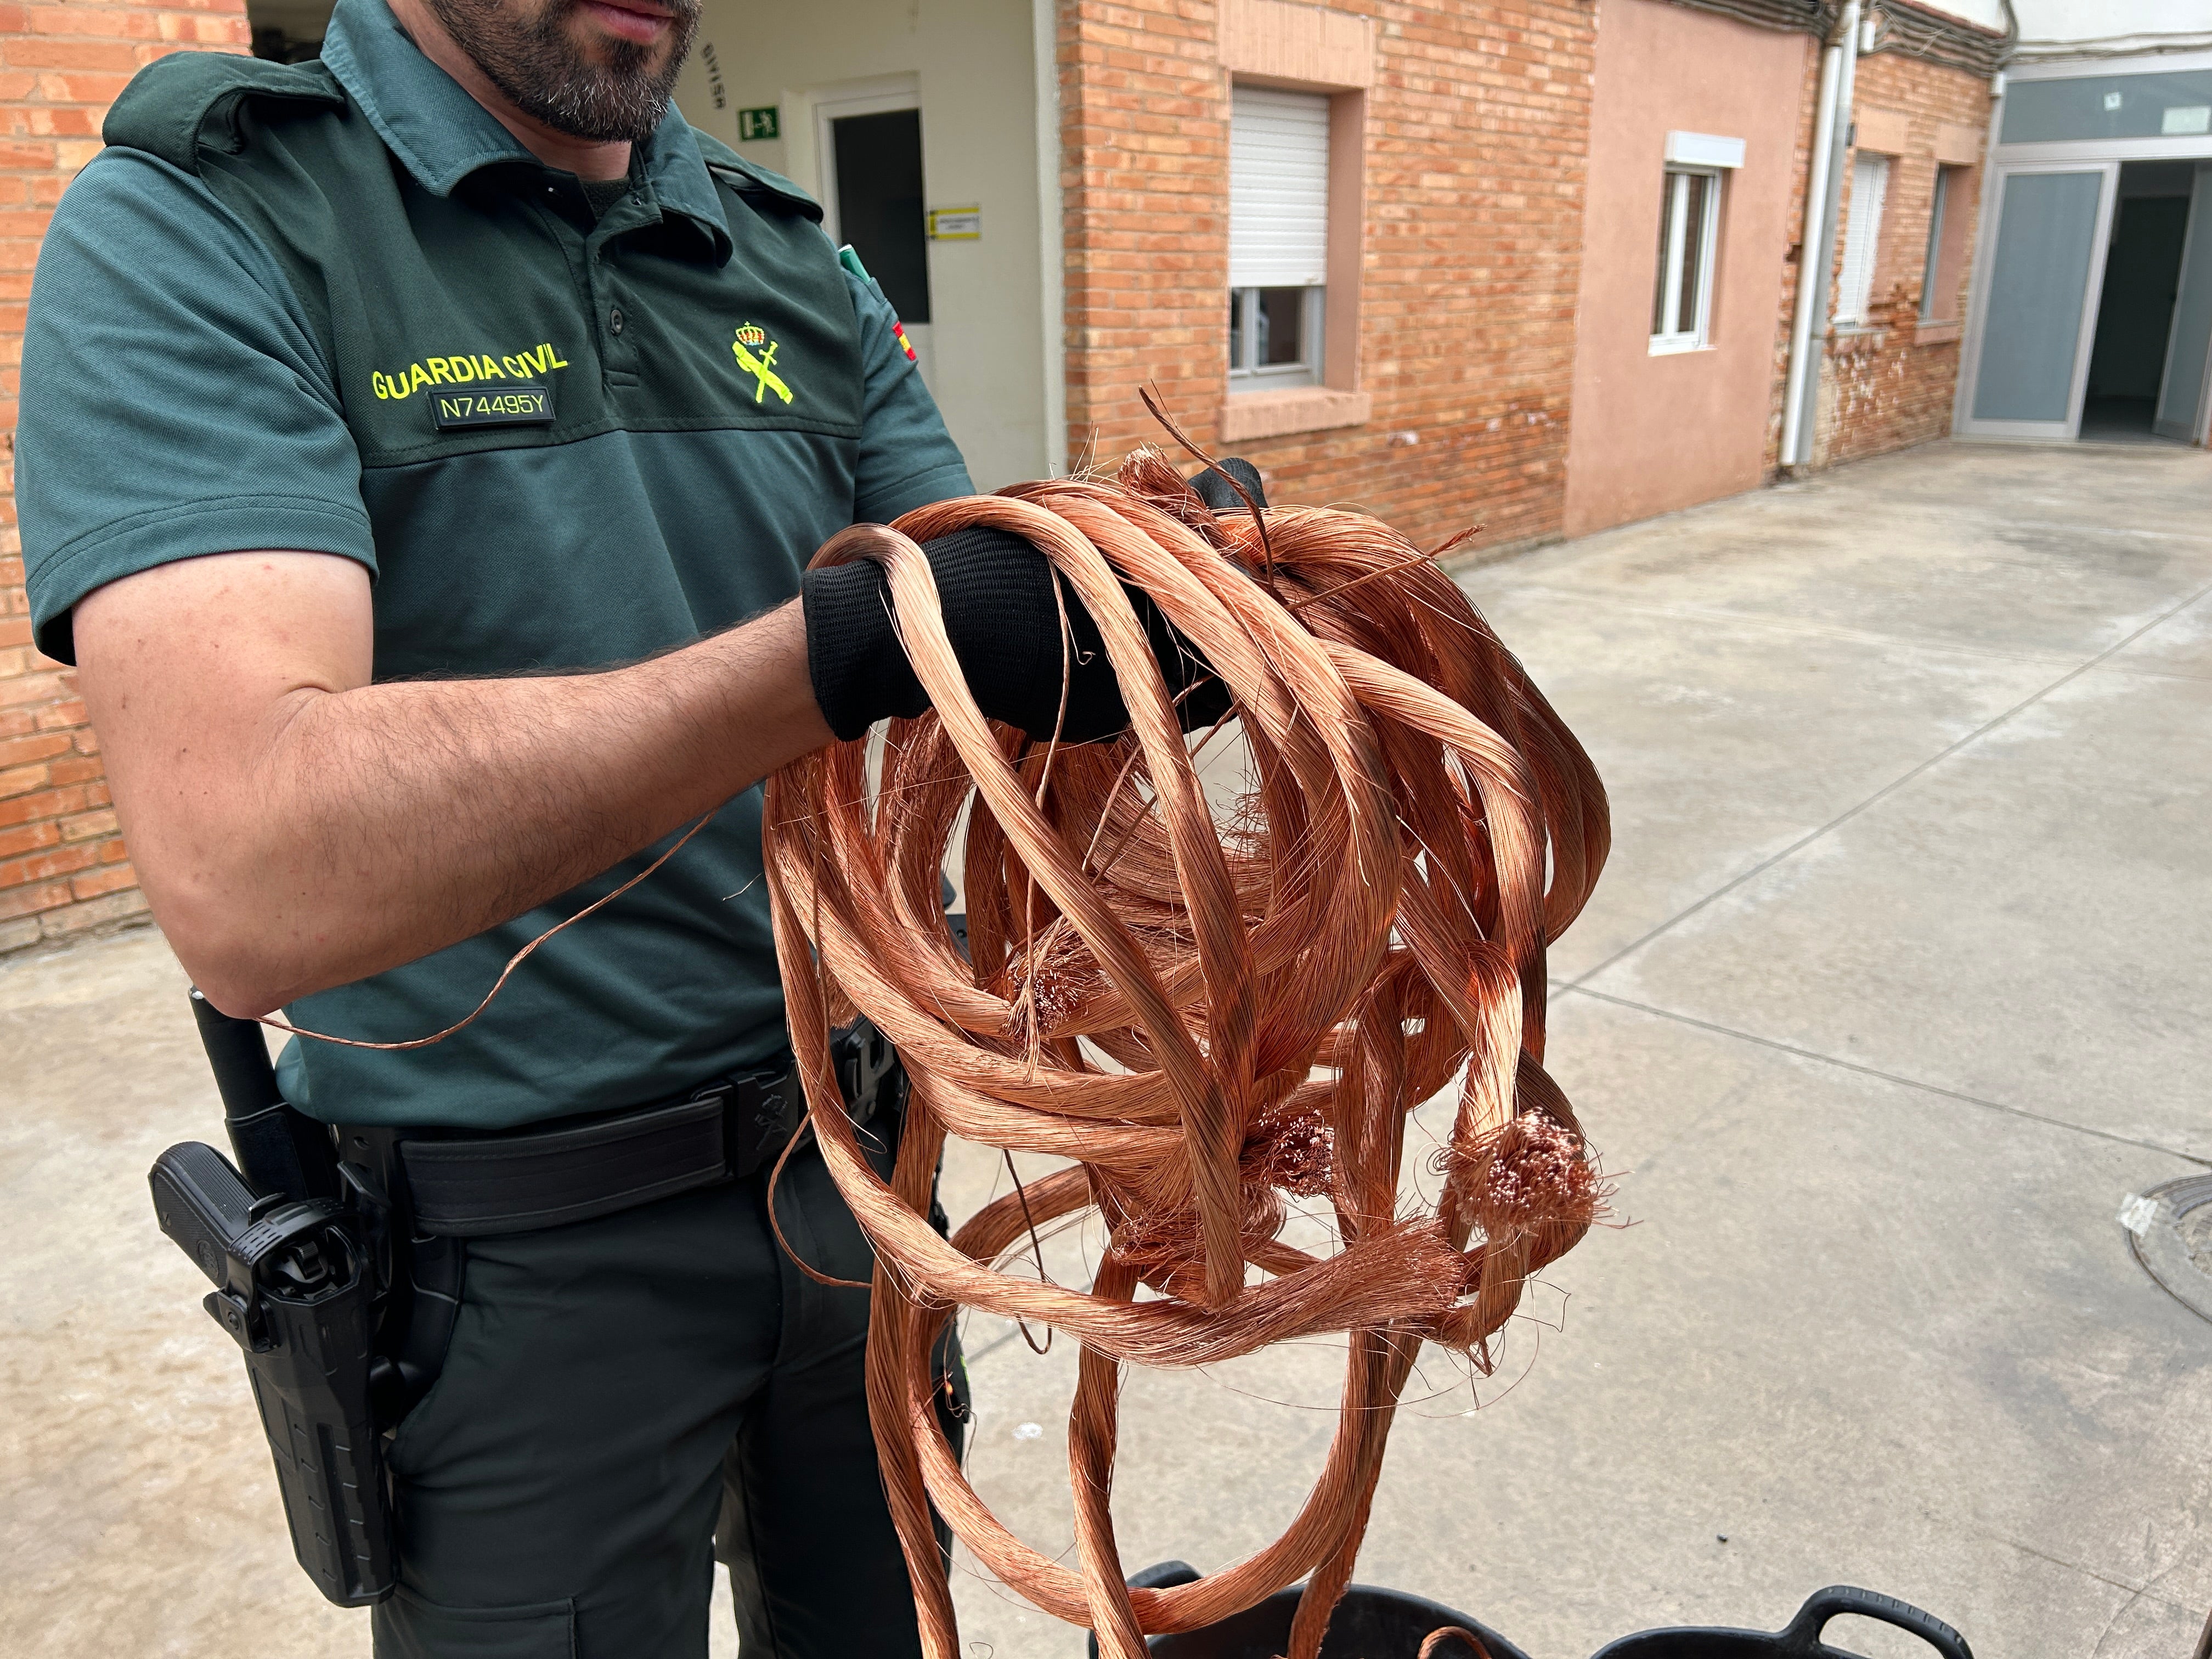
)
(1278, 991)
(513, 963)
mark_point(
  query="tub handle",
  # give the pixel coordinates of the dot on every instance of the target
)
(1803, 1635)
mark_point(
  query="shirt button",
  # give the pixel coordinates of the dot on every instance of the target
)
(614, 320)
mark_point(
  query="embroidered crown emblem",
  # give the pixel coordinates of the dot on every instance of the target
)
(759, 364)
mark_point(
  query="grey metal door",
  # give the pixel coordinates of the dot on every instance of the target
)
(2181, 400)
(2043, 261)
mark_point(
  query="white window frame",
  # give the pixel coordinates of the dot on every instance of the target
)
(1939, 209)
(1251, 374)
(1674, 205)
(1862, 239)
(1246, 371)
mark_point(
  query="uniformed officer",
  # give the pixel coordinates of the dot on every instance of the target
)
(406, 439)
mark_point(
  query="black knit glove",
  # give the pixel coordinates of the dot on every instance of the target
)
(995, 591)
(1218, 493)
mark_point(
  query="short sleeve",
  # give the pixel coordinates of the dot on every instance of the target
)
(174, 401)
(908, 459)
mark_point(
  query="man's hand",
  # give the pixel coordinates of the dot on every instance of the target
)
(296, 827)
(995, 591)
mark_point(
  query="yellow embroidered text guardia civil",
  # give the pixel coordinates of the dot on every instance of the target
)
(465, 369)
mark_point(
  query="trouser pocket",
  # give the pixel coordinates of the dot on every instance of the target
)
(407, 1627)
(436, 1269)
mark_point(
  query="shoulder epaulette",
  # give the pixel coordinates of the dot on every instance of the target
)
(756, 184)
(178, 105)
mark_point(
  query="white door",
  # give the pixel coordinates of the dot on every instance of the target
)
(869, 150)
(2042, 265)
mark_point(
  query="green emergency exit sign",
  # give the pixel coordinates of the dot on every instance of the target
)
(758, 123)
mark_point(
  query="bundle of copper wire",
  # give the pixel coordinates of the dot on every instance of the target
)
(1209, 1015)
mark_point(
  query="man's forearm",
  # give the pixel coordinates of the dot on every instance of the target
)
(345, 829)
(417, 814)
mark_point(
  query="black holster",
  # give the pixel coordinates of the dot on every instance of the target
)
(342, 1297)
(295, 1288)
(298, 1286)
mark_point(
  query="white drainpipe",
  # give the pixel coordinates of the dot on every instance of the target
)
(1824, 180)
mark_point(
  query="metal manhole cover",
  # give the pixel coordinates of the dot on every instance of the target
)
(2169, 1232)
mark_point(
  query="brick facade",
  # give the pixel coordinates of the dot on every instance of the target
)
(1473, 142)
(62, 866)
(1891, 384)
(1476, 131)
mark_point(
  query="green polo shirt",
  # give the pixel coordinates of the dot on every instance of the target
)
(336, 306)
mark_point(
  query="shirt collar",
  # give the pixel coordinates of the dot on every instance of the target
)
(442, 135)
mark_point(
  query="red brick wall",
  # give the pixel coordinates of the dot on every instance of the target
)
(63, 867)
(1892, 386)
(1477, 133)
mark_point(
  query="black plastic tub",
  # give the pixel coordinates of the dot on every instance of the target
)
(1370, 1623)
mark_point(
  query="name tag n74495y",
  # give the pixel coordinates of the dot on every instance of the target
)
(514, 405)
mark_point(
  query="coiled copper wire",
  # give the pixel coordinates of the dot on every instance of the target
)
(1203, 1015)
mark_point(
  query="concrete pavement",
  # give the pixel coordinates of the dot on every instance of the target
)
(1892, 995)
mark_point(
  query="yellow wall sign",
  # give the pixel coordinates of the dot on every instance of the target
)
(961, 224)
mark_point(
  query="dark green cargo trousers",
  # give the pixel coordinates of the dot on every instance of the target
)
(607, 1383)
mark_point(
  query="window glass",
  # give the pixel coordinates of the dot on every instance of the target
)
(1934, 301)
(2175, 104)
(1682, 283)
(1862, 237)
(1695, 188)
(1274, 336)
(1282, 328)
(878, 163)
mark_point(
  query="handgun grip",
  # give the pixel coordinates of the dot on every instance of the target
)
(205, 1204)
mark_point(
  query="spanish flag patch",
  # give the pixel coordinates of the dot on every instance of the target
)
(850, 260)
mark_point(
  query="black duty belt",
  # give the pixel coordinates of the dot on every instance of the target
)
(550, 1175)
(547, 1174)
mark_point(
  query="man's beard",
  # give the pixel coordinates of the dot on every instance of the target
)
(536, 64)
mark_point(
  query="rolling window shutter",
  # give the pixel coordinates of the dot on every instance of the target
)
(1870, 185)
(1278, 188)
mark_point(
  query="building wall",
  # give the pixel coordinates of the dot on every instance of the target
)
(1652, 434)
(973, 63)
(2058, 29)
(1891, 384)
(63, 867)
(1475, 132)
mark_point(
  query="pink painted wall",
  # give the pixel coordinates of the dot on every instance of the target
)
(1650, 434)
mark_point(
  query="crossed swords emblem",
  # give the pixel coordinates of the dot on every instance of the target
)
(762, 369)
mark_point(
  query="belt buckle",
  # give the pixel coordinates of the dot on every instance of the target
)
(757, 1118)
